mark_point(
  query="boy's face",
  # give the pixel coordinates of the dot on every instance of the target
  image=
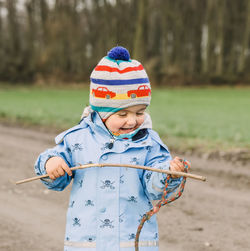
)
(126, 120)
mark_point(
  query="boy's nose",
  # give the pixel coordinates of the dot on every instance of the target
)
(131, 121)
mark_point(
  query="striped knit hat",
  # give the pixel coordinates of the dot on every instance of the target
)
(118, 82)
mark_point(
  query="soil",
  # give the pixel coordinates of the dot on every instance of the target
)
(211, 215)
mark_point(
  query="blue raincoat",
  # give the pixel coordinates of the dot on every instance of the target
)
(106, 204)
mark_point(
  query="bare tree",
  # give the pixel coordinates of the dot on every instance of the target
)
(219, 48)
(140, 39)
(177, 41)
(206, 37)
(244, 50)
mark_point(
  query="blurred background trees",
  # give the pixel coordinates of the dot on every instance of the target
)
(179, 42)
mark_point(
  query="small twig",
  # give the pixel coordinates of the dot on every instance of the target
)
(189, 175)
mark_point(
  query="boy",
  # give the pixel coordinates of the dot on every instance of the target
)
(106, 204)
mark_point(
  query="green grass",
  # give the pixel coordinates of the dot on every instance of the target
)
(185, 118)
(59, 108)
(215, 117)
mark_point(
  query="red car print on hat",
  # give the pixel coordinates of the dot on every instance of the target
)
(103, 92)
(142, 91)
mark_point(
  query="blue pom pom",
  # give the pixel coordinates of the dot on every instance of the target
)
(119, 53)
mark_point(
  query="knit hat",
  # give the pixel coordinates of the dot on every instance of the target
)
(118, 82)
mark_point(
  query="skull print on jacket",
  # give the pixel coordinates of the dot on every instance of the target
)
(106, 203)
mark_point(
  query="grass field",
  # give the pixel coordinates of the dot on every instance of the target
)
(185, 118)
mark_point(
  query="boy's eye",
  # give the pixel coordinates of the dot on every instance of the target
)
(140, 113)
(122, 114)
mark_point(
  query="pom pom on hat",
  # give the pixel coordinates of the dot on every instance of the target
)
(119, 53)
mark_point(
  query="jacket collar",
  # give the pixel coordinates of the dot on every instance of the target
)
(96, 125)
(94, 121)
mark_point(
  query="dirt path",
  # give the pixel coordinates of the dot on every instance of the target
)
(209, 216)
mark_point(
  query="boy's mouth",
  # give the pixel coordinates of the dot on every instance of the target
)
(127, 130)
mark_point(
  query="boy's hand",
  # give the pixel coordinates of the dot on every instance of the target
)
(177, 165)
(57, 167)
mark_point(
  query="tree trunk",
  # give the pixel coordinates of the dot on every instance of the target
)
(44, 13)
(219, 50)
(31, 33)
(140, 33)
(245, 42)
(1, 28)
(2, 44)
(13, 29)
(206, 38)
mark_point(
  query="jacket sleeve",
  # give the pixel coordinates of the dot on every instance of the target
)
(60, 150)
(158, 157)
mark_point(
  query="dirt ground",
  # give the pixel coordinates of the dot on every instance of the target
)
(212, 215)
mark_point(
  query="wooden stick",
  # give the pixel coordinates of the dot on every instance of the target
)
(189, 175)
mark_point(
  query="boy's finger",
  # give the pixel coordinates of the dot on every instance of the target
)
(61, 171)
(179, 164)
(174, 167)
(179, 159)
(56, 174)
(67, 169)
(52, 176)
